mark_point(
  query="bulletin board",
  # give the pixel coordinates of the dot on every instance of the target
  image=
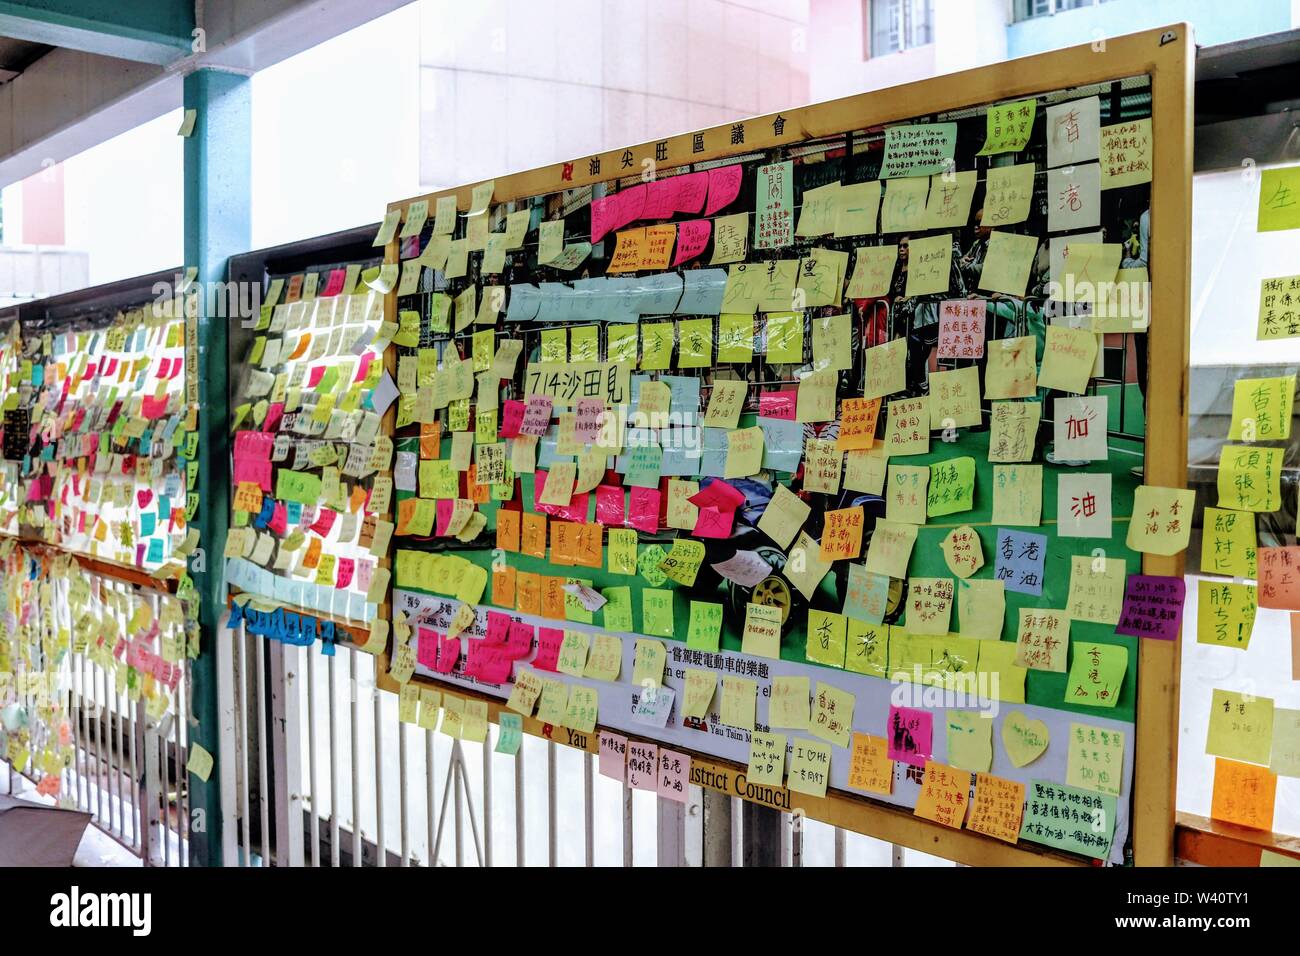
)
(615, 277)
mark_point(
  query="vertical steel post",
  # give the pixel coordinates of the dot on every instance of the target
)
(218, 174)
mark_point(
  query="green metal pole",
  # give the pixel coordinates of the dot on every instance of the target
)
(218, 171)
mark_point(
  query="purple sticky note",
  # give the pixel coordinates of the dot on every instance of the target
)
(910, 735)
(1153, 607)
(1020, 560)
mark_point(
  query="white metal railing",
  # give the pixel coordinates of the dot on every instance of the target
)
(301, 785)
(127, 769)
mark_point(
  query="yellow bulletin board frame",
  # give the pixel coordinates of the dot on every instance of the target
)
(1167, 56)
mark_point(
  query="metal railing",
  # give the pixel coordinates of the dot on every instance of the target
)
(318, 770)
(127, 769)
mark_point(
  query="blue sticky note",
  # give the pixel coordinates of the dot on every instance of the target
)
(155, 551)
(782, 444)
(1020, 557)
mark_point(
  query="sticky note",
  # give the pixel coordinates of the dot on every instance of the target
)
(945, 791)
(870, 768)
(1162, 519)
(996, 808)
(1279, 199)
(1241, 727)
(810, 767)
(1096, 674)
(969, 739)
(766, 759)
(1225, 613)
(1096, 758)
(1243, 794)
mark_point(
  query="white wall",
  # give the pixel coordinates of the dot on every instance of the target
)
(508, 85)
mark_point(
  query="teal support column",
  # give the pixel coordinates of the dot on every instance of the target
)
(218, 172)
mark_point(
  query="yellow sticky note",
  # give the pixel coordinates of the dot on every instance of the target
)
(1162, 519)
(698, 694)
(1017, 495)
(929, 265)
(997, 807)
(1279, 199)
(1241, 727)
(788, 707)
(1008, 126)
(735, 337)
(695, 343)
(886, 369)
(738, 700)
(1225, 614)
(1007, 263)
(832, 714)
(816, 396)
(981, 608)
(955, 398)
(826, 637)
(1096, 758)
(1096, 588)
(199, 762)
(1012, 368)
(903, 207)
(657, 345)
(784, 516)
(810, 767)
(784, 331)
(1250, 478)
(1068, 359)
(856, 209)
(1007, 193)
(970, 739)
(1279, 307)
(907, 427)
(744, 452)
(1261, 408)
(766, 759)
(1228, 543)
(649, 658)
(891, 548)
(762, 633)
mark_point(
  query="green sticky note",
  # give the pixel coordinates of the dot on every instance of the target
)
(785, 337)
(297, 486)
(952, 487)
(1279, 199)
(705, 628)
(512, 734)
(657, 612)
(1261, 408)
(1096, 674)
(643, 466)
(573, 609)
(618, 608)
(647, 565)
(1079, 821)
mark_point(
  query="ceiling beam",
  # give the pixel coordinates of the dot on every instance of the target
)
(145, 31)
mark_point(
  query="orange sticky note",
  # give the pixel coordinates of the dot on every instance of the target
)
(588, 553)
(507, 530)
(528, 592)
(430, 440)
(503, 586)
(564, 543)
(1243, 794)
(533, 540)
(870, 768)
(842, 534)
(945, 791)
(997, 807)
(553, 597)
(858, 423)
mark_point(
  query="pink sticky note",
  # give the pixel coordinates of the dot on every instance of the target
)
(279, 522)
(363, 366)
(643, 511)
(163, 367)
(961, 328)
(642, 766)
(519, 640)
(910, 735)
(274, 412)
(254, 445)
(347, 567)
(548, 648)
(613, 755)
(718, 494)
(153, 408)
(778, 404)
(711, 522)
(498, 627)
(588, 415)
(314, 375)
(691, 190)
(609, 506)
(254, 471)
(334, 284)
(692, 238)
(444, 508)
(512, 416)
(324, 521)
(674, 775)
(487, 663)
(448, 654)
(426, 647)
(660, 198)
(537, 416)
(575, 510)
(724, 187)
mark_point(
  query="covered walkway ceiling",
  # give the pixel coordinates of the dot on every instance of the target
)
(74, 73)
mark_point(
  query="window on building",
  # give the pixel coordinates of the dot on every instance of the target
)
(894, 25)
(1029, 9)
